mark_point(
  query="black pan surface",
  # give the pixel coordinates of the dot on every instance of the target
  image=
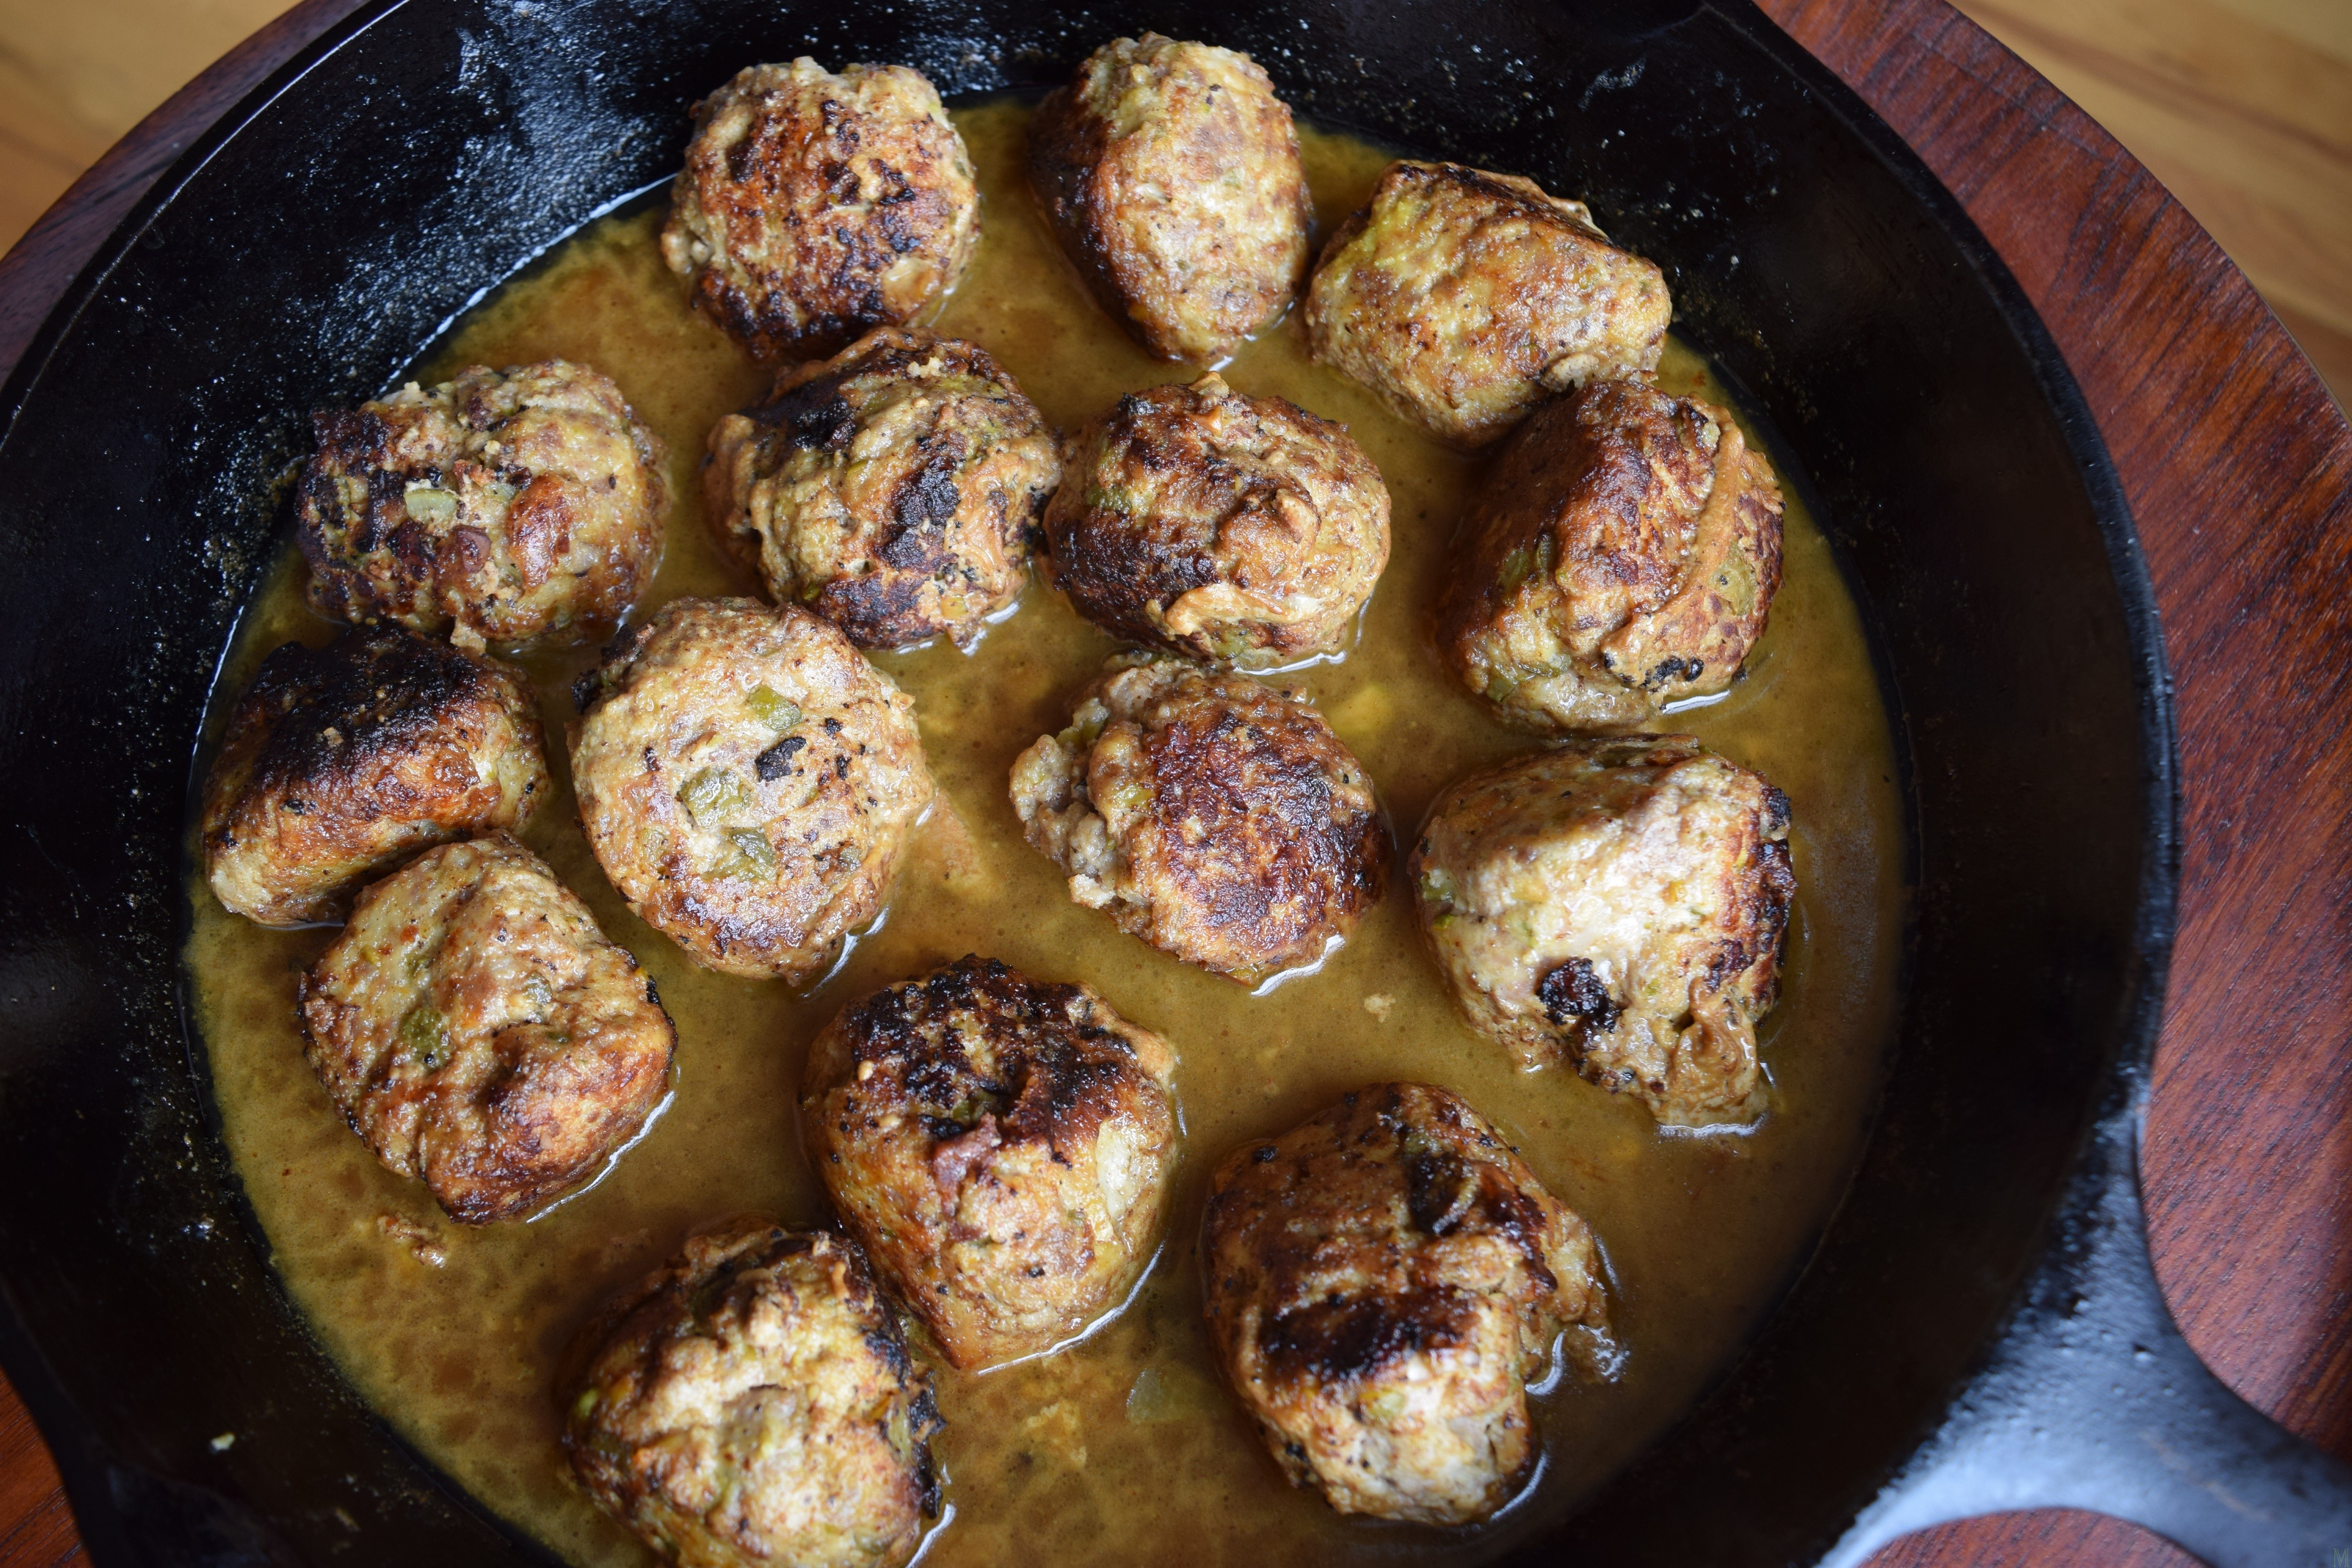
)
(424, 150)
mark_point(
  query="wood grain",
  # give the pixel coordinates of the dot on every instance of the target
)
(2238, 468)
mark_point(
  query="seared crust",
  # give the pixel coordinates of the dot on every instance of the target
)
(508, 504)
(1380, 1284)
(747, 781)
(1620, 905)
(894, 489)
(1622, 555)
(1170, 173)
(480, 1034)
(340, 760)
(1463, 298)
(752, 1404)
(1225, 527)
(815, 207)
(1002, 1147)
(1219, 819)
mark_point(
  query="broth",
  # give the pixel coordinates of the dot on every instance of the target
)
(1123, 1447)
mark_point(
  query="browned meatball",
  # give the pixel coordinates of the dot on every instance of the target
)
(503, 504)
(1002, 1147)
(1170, 173)
(747, 781)
(1617, 904)
(340, 760)
(814, 206)
(1381, 1283)
(894, 489)
(1465, 298)
(1218, 820)
(751, 1405)
(480, 1034)
(1622, 555)
(1205, 522)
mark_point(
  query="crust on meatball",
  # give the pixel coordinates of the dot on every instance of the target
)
(815, 207)
(1225, 527)
(748, 781)
(1620, 905)
(1463, 298)
(1622, 555)
(752, 1403)
(1002, 1147)
(1381, 1283)
(895, 488)
(338, 762)
(1217, 818)
(1170, 173)
(507, 504)
(479, 1033)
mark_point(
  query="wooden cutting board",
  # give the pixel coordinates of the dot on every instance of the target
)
(2239, 470)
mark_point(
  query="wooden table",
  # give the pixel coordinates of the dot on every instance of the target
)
(2239, 469)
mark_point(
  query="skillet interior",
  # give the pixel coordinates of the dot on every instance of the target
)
(304, 254)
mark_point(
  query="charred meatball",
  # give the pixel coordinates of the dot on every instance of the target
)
(1200, 520)
(1617, 904)
(1623, 555)
(815, 207)
(1381, 1283)
(1003, 1148)
(340, 760)
(480, 1034)
(1218, 820)
(895, 488)
(1463, 298)
(747, 781)
(1170, 173)
(503, 504)
(754, 1404)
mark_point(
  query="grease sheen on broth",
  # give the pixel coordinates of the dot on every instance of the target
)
(1122, 1448)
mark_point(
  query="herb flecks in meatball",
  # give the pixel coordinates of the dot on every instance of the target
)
(815, 207)
(480, 1035)
(754, 1404)
(1622, 555)
(895, 488)
(1225, 527)
(338, 762)
(748, 782)
(1381, 1283)
(1002, 1147)
(500, 505)
(1170, 173)
(1463, 298)
(1217, 818)
(1618, 905)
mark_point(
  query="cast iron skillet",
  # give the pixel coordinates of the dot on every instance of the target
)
(1977, 1329)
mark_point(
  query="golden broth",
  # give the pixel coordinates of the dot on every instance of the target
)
(1123, 1449)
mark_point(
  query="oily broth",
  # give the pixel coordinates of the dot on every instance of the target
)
(1124, 1448)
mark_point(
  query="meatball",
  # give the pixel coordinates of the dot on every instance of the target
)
(1225, 527)
(1218, 820)
(338, 761)
(1622, 555)
(1171, 174)
(1463, 298)
(754, 1404)
(747, 781)
(503, 504)
(1381, 1283)
(813, 207)
(895, 488)
(480, 1034)
(1618, 904)
(1002, 1147)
